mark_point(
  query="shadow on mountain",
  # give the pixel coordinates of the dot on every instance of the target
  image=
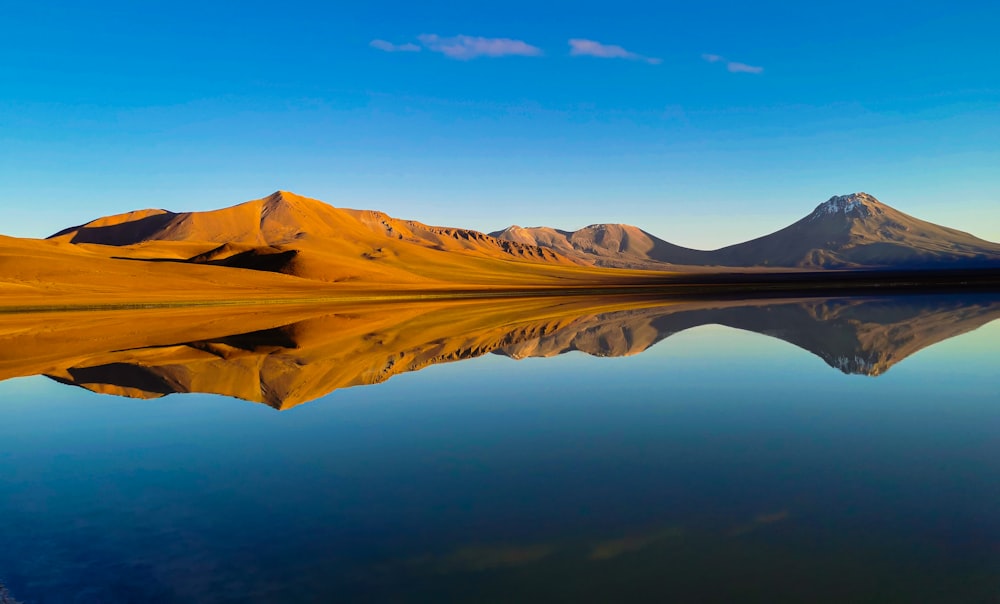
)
(287, 356)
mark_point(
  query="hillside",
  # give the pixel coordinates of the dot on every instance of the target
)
(307, 238)
(281, 246)
(611, 245)
(46, 273)
(859, 231)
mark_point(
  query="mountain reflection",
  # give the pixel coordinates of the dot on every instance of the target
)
(285, 356)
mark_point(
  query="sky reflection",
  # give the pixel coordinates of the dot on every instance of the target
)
(718, 463)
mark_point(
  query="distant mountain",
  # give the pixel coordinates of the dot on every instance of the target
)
(850, 231)
(858, 230)
(286, 356)
(610, 245)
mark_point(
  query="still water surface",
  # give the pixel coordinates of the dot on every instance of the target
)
(715, 464)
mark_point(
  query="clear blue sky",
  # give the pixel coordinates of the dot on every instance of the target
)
(704, 123)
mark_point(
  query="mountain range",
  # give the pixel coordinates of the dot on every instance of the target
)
(291, 246)
(285, 356)
(849, 231)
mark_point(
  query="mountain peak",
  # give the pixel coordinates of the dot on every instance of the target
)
(857, 205)
(284, 208)
(286, 197)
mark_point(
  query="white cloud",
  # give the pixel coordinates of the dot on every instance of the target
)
(390, 47)
(470, 47)
(733, 66)
(579, 47)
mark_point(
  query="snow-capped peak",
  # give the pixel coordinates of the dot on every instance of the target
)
(857, 204)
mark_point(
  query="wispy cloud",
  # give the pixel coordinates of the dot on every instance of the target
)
(464, 48)
(733, 66)
(578, 47)
(390, 47)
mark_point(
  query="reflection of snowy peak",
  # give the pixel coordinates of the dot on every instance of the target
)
(855, 365)
(856, 336)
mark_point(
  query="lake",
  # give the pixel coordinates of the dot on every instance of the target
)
(594, 449)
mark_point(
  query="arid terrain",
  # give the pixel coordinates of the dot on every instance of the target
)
(286, 248)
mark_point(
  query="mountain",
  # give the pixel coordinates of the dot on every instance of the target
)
(299, 236)
(859, 231)
(611, 245)
(307, 238)
(288, 355)
(279, 247)
(849, 231)
(283, 219)
(286, 246)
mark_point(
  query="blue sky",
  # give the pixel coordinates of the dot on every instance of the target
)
(704, 123)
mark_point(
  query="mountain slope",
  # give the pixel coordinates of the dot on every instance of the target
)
(611, 245)
(46, 273)
(850, 231)
(307, 238)
(859, 231)
(283, 219)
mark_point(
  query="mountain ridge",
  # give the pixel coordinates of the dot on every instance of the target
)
(308, 238)
(289, 246)
(846, 231)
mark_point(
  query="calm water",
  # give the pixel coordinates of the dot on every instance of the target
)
(710, 464)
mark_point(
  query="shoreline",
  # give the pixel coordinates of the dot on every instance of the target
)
(712, 285)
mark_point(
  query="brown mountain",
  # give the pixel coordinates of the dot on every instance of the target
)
(611, 245)
(850, 231)
(288, 355)
(295, 247)
(307, 238)
(283, 219)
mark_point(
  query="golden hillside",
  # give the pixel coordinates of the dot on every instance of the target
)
(283, 246)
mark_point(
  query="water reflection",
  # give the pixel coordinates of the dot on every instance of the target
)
(285, 356)
(719, 467)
